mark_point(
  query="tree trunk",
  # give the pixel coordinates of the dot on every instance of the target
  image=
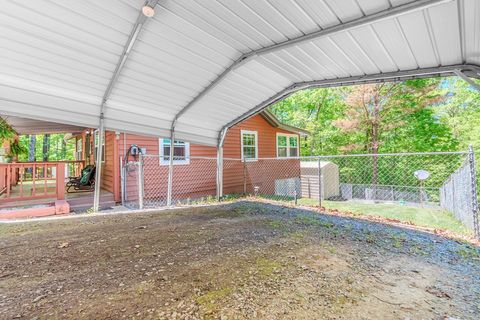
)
(64, 149)
(46, 145)
(31, 148)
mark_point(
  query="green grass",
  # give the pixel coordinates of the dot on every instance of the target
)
(424, 217)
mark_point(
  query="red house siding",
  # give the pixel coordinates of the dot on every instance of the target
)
(199, 177)
(261, 173)
(110, 170)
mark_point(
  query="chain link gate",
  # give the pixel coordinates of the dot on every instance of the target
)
(131, 174)
(145, 182)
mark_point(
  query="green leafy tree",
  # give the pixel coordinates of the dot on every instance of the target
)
(6, 131)
(56, 147)
(461, 111)
(405, 119)
(315, 110)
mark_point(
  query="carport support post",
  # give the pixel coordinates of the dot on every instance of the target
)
(473, 181)
(170, 167)
(221, 140)
(219, 172)
(471, 82)
(140, 22)
(98, 164)
(319, 183)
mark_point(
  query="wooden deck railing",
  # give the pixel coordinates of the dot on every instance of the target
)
(36, 180)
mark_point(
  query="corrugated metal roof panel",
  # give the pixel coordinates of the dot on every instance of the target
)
(391, 35)
(57, 57)
(471, 30)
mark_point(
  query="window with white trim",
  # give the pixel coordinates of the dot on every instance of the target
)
(249, 143)
(287, 145)
(95, 141)
(181, 152)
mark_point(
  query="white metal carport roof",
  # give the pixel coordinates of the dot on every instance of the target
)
(32, 126)
(200, 66)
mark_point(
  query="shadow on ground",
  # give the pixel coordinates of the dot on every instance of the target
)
(242, 260)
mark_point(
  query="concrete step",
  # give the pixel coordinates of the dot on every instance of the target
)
(84, 203)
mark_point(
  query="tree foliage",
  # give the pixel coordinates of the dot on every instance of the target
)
(461, 111)
(53, 148)
(412, 116)
(6, 131)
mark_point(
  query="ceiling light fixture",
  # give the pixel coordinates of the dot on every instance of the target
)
(148, 11)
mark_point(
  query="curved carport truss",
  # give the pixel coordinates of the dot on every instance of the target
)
(414, 39)
(197, 67)
(464, 71)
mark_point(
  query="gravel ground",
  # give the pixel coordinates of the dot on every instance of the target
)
(238, 261)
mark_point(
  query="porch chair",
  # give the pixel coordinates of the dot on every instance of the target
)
(85, 182)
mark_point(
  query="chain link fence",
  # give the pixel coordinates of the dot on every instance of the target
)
(420, 180)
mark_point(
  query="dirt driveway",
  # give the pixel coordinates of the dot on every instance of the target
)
(238, 261)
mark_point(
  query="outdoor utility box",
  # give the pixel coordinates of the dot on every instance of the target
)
(329, 179)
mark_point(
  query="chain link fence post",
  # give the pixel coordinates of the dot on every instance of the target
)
(473, 181)
(122, 179)
(319, 183)
(140, 181)
(244, 177)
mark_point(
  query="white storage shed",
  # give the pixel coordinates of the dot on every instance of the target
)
(329, 179)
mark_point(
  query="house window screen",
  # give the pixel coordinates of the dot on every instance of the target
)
(282, 147)
(249, 145)
(95, 139)
(79, 149)
(181, 152)
(293, 146)
(287, 145)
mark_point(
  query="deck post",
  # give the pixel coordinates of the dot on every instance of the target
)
(98, 165)
(9, 180)
(60, 181)
(170, 167)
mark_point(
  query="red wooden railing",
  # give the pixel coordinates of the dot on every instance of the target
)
(36, 180)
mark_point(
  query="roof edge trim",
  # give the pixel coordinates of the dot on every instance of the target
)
(273, 120)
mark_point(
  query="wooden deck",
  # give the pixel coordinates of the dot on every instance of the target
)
(25, 185)
(79, 201)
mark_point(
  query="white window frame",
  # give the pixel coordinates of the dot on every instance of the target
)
(288, 136)
(95, 142)
(164, 162)
(242, 132)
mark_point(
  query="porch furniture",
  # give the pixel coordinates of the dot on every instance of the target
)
(85, 182)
